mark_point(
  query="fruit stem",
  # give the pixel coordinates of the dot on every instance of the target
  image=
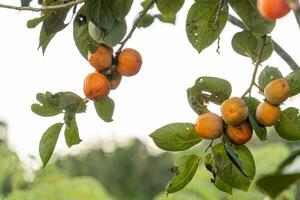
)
(134, 26)
(278, 49)
(257, 63)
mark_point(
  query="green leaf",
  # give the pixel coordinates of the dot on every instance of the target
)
(226, 170)
(25, 2)
(254, 22)
(288, 126)
(259, 130)
(289, 160)
(44, 110)
(71, 102)
(169, 7)
(247, 44)
(267, 75)
(208, 89)
(48, 142)
(32, 23)
(274, 184)
(233, 155)
(55, 22)
(176, 136)
(146, 21)
(184, 170)
(105, 109)
(121, 8)
(294, 81)
(45, 39)
(72, 134)
(203, 24)
(165, 19)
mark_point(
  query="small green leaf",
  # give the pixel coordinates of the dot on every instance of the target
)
(184, 170)
(121, 8)
(146, 21)
(44, 110)
(294, 81)
(247, 44)
(259, 130)
(288, 126)
(267, 75)
(165, 19)
(254, 22)
(72, 134)
(208, 89)
(71, 102)
(203, 24)
(176, 136)
(105, 109)
(274, 184)
(48, 142)
(289, 160)
(45, 39)
(169, 7)
(32, 23)
(55, 21)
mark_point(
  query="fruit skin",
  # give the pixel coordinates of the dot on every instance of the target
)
(234, 111)
(277, 91)
(239, 134)
(96, 86)
(273, 9)
(129, 62)
(267, 114)
(209, 126)
(102, 58)
(115, 81)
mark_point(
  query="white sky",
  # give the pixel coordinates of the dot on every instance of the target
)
(145, 102)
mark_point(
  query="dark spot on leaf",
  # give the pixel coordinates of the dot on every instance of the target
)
(81, 19)
(174, 170)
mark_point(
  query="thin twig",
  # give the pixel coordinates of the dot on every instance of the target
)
(135, 25)
(35, 9)
(258, 87)
(278, 49)
(257, 63)
(297, 13)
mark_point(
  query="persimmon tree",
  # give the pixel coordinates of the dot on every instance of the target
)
(102, 24)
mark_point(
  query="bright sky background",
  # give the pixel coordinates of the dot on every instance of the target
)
(145, 102)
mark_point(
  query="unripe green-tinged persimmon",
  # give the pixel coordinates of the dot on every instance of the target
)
(115, 81)
(277, 91)
(209, 126)
(129, 62)
(102, 58)
(234, 111)
(267, 114)
(273, 9)
(239, 134)
(96, 86)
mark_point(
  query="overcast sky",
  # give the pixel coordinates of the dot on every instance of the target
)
(145, 102)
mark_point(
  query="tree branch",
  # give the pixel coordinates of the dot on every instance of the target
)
(135, 25)
(297, 13)
(278, 49)
(257, 63)
(35, 9)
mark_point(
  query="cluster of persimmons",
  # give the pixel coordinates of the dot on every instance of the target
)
(234, 120)
(109, 70)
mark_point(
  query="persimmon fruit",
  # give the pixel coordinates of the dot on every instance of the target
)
(239, 134)
(277, 91)
(101, 59)
(267, 114)
(96, 86)
(129, 62)
(273, 9)
(234, 111)
(209, 126)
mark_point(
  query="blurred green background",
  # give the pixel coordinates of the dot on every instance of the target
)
(129, 172)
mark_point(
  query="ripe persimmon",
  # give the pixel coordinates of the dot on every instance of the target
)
(239, 134)
(273, 9)
(234, 111)
(129, 62)
(277, 91)
(267, 114)
(115, 81)
(96, 86)
(209, 125)
(102, 58)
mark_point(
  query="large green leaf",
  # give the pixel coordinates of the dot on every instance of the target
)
(45, 110)
(288, 126)
(259, 130)
(294, 81)
(208, 89)
(169, 7)
(48, 142)
(274, 184)
(267, 75)
(55, 22)
(203, 24)
(176, 137)
(72, 134)
(184, 170)
(105, 109)
(121, 8)
(254, 22)
(247, 44)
